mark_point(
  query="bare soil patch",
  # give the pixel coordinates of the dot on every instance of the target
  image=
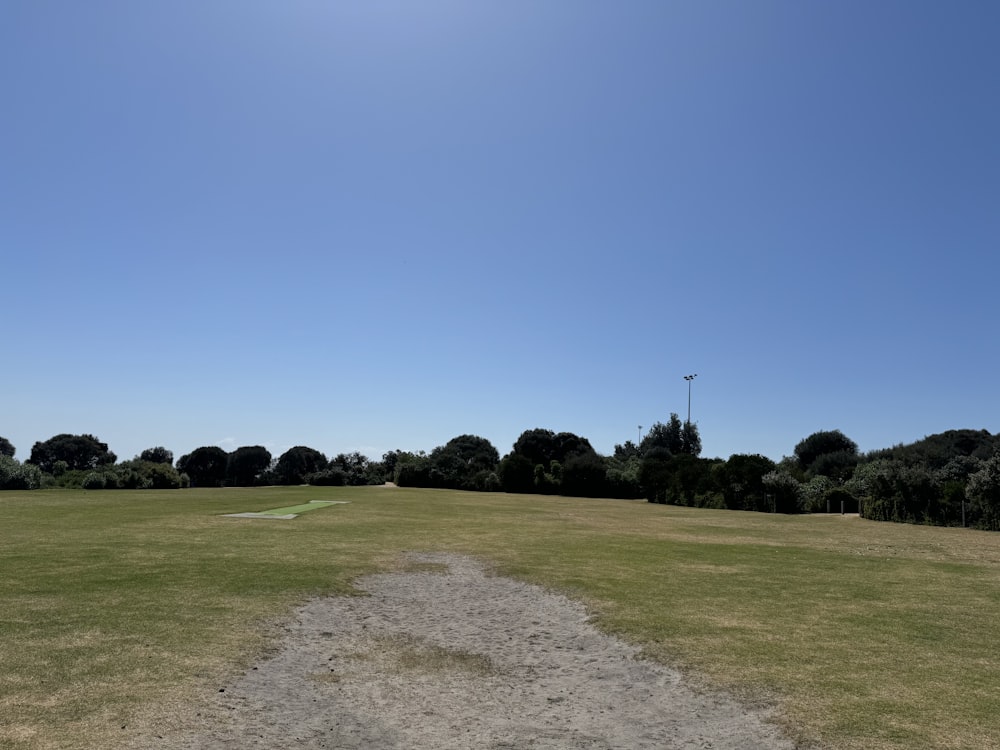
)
(445, 655)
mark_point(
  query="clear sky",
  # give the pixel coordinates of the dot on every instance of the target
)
(378, 225)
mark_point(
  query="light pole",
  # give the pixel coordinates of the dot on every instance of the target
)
(640, 434)
(689, 378)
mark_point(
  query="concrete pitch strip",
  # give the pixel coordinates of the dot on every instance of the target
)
(287, 514)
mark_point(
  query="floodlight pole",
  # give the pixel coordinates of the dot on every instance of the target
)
(640, 434)
(689, 378)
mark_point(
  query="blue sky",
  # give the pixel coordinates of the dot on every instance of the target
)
(379, 225)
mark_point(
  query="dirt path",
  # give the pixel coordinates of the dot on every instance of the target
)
(451, 657)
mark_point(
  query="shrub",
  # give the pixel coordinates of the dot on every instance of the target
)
(17, 476)
(335, 477)
(93, 481)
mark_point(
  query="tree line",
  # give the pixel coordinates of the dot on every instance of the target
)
(952, 478)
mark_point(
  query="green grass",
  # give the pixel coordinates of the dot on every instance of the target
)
(296, 509)
(118, 607)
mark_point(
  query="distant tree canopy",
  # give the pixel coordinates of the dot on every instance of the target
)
(17, 476)
(466, 462)
(75, 451)
(822, 444)
(542, 446)
(935, 451)
(984, 494)
(674, 436)
(158, 455)
(206, 466)
(246, 465)
(296, 464)
(950, 478)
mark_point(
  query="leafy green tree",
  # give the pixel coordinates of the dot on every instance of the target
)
(674, 436)
(331, 476)
(838, 465)
(538, 446)
(821, 443)
(545, 446)
(137, 475)
(814, 494)
(296, 464)
(784, 491)
(690, 439)
(548, 482)
(356, 468)
(246, 464)
(983, 491)
(17, 476)
(389, 460)
(157, 455)
(895, 491)
(935, 451)
(78, 451)
(622, 476)
(7, 448)
(743, 481)
(655, 473)
(412, 469)
(516, 473)
(668, 437)
(691, 480)
(585, 475)
(959, 469)
(627, 451)
(206, 466)
(457, 463)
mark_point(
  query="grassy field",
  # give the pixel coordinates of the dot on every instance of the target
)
(117, 607)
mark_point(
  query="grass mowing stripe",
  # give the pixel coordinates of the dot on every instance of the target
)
(305, 508)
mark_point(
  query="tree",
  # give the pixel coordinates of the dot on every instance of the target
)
(17, 476)
(516, 473)
(246, 464)
(983, 491)
(412, 469)
(157, 455)
(140, 475)
(935, 451)
(7, 448)
(814, 494)
(463, 463)
(690, 439)
(784, 491)
(585, 475)
(743, 481)
(627, 452)
(655, 474)
(838, 465)
(206, 466)
(296, 464)
(668, 437)
(545, 446)
(537, 445)
(821, 443)
(356, 468)
(891, 490)
(78, 451)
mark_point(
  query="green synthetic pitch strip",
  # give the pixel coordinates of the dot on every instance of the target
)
(292, 511)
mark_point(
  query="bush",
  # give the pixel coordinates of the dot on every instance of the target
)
(335, 477)
(93, 481)
(840, 500)
(17, 476)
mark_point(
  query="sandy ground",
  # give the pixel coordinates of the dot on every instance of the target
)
(448, 656)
